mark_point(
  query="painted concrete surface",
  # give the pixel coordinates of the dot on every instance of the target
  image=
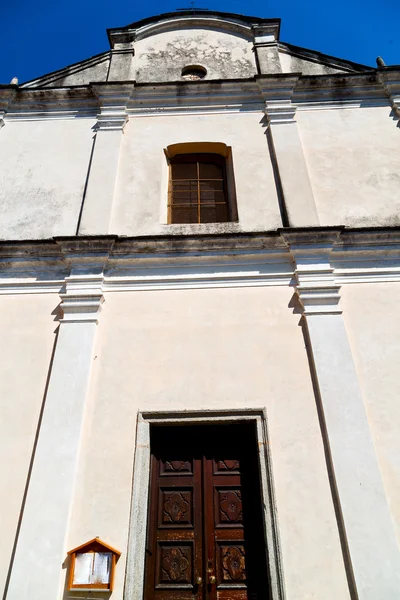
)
(371, 317)
(40, 551)
(99, 196)
(221, 348)
(354, 165)
(95, 69)
(162, 57)
(42, 178)
(295, 64)
(299, 200)
(366, 518)
(142, 185)
(45, 163)
(25, 348)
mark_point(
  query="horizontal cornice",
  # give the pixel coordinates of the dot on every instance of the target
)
(345, 89)
(318, 91)
(180, 262)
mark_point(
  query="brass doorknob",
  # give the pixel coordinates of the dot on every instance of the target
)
(212, 579)
(199, 580)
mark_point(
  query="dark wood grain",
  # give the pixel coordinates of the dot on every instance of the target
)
(205, 515)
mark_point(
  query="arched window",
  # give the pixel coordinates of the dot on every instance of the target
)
(198, 189)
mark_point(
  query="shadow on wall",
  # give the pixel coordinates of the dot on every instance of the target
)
(56, 313)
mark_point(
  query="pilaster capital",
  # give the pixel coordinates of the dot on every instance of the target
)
(280, 111)
(315, 285)
(277, 91)
(390, 79)
(7, 95)
(266, 33)
(85, 252)
(112, 99)
(123, 48)
(83, 295)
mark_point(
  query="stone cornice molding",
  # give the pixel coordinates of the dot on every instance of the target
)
(236, 23)
(63, 103)
(178, 22)
(312, 259)
(113, 100)
(83, 296)
(123, 48)
(277, 93)
(85, 252)
(390, 79)
(185, 97)
(7, 94)
(265, 34)
(317, 290)
(341, 89)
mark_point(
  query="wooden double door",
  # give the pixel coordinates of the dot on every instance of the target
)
(205, 531)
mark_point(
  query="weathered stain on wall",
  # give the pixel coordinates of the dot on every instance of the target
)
(81, 73)
(43, 177)
(163, 56)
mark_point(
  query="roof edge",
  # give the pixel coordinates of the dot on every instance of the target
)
(196, 13)
(328, 59)
(96, 58)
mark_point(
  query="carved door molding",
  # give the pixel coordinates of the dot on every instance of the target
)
(134, 578)
(205, 529)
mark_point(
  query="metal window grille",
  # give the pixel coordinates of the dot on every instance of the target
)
(197, 189)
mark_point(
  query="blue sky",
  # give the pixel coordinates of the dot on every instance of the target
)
(37, 37)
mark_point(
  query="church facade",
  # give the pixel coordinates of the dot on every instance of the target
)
(199, 291)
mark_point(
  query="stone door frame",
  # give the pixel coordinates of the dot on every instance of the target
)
(134, 581)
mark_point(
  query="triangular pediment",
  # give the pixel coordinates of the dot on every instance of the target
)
(159, 45)
(80, 73)
(295, 59)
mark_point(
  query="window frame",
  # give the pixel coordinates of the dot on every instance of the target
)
(198, 158)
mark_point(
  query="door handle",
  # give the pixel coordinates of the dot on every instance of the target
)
(212, 579)
(199, 580)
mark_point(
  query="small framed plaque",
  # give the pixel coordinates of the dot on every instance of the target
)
(92, 567)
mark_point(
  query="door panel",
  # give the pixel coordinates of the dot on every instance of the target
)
(174, 542)
(224, 528)
(205, 532)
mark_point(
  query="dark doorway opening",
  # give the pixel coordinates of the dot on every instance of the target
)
(205, 536)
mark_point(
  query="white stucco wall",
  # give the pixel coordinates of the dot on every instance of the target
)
(295, 64)
(140, 203)
(162, 56)
(371, 316)
(351, 155)
(220, 348)
(354, 165)
(43, 170)
(26, 342)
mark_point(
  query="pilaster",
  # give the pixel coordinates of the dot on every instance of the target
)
(365, 522)
(45, 516)
(266, 49)
(121, 61)
(288, 152)
(103, 170)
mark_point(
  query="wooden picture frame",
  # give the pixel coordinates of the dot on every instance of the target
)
(97, 548)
